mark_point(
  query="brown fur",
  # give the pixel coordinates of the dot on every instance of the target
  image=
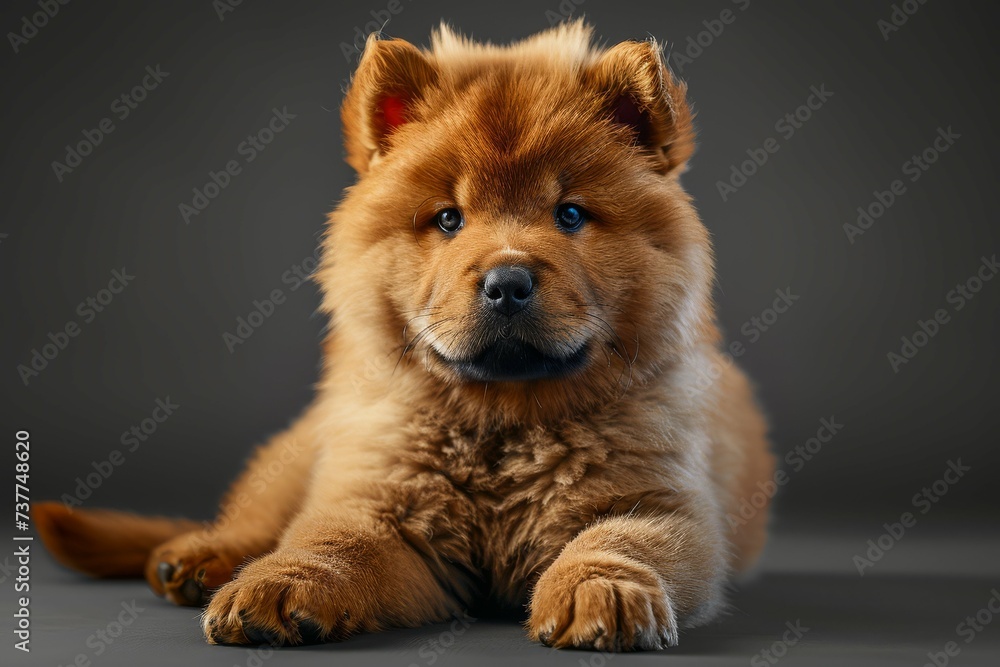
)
(408, 490)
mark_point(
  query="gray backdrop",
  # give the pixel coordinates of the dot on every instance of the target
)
(67, 229)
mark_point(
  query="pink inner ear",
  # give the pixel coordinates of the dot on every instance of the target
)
(394, 112)
(627, 112)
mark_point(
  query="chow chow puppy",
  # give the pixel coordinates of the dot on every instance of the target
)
(523, 397)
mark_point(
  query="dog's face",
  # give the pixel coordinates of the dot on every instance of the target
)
(518, 223)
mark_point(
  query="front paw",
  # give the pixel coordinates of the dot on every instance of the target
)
(285, 598)
(604, 602)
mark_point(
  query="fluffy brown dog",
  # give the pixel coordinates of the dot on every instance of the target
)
(523, 395)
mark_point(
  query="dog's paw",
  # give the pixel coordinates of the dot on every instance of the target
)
(601, 602)
(285, 598)
(187, 568)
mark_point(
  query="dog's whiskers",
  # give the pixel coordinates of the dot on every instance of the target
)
(412, 344)
(617, 345)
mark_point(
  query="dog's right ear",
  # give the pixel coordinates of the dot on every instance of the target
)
(391, 78)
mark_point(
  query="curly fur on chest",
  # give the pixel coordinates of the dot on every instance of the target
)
(500, 505)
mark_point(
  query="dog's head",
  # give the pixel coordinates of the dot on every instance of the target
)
(518, 231)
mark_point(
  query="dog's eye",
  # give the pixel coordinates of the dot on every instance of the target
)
(450, 220)
(570, 217)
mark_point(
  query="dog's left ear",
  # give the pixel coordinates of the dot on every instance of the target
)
(391, 78)
(639, 91)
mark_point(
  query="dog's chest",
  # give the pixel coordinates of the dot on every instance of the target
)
(502, 469)
(503, 502)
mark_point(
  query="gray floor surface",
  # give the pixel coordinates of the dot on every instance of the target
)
(909, 604)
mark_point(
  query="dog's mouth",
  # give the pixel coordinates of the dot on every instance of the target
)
(509, 360)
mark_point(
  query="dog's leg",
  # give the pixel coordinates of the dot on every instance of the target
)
(365, 553)
(629, 582)
(347, 579)
(256, 510)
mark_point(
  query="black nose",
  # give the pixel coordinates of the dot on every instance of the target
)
(508, 288)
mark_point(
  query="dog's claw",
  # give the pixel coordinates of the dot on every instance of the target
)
(260, 636)
(165, 571)
(191, 592)
(310, 632)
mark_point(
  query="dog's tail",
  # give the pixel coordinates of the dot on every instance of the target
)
(104, 543)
